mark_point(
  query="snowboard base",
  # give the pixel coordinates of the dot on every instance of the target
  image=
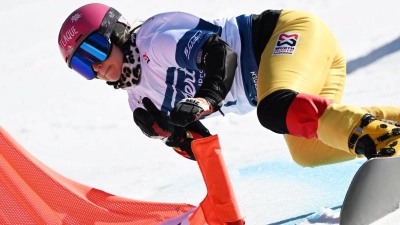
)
(373, 193)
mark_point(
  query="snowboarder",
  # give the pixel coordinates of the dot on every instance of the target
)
(178, 69)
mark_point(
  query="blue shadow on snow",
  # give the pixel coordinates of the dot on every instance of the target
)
(373, 56)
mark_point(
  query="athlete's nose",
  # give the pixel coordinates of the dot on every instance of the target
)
(97, 66)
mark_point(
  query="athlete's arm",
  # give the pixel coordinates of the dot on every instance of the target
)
(218, 61)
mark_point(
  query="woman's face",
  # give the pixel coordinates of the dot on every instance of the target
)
(111, 68)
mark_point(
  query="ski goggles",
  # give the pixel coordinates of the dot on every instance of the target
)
(95, 48)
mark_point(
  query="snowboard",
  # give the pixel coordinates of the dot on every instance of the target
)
(373, 193)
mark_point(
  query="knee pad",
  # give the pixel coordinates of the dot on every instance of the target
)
(272, 110)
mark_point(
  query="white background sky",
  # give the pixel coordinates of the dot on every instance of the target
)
(84, 129)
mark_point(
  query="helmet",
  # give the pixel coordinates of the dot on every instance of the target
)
(89, 19)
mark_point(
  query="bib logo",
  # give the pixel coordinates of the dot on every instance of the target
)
(192, 41)
(286, 44)
(181, 83)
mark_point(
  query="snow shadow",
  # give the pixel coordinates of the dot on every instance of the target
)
(373, 56)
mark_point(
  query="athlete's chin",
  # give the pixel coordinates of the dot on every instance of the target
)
(112, 79)
(113, 75)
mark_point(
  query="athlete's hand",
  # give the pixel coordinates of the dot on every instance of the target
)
(152, 121)
(189, 110)
(182, 138)
(155, 124)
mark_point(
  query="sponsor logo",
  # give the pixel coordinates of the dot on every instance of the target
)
(181, 83)
(67, 36)
(189, 83)
(192, 101)
(198, 59)
(75, 17)
(254, 77)
(286, 44)
(146, 58)
(198, 35)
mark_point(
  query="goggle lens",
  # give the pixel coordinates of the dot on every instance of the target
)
(95, 48)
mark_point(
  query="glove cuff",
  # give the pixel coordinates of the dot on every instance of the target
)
(212, 98)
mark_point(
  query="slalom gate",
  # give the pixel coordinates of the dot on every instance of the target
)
(33, 193)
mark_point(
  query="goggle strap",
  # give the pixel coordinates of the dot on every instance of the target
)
(107, 24)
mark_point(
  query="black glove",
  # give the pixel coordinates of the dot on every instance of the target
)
(181, 140)
(189, 110)
(152, 121)
(155, 124)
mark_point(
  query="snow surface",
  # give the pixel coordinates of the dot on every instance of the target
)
(84, 130)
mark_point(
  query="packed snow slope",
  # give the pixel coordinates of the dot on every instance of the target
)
(84, 129)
